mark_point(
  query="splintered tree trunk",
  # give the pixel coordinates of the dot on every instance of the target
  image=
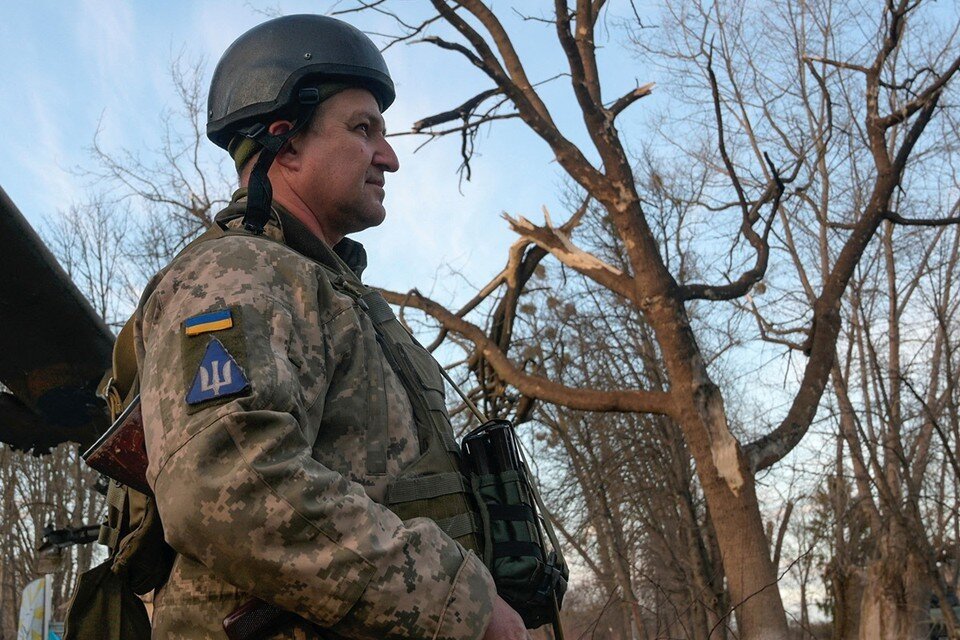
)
(895, 600)
(728, 484)
(732, 499)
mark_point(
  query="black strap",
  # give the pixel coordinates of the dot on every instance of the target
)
(377, 308)
(517, 548)
(259, 189)
(511, 512)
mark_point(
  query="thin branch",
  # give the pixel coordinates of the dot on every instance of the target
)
(929, 94)
(837, 63)
(462, 112)
(921, 222)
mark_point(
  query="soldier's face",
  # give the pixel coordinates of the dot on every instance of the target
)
(345, 158)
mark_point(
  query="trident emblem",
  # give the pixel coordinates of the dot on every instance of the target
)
(219, 377)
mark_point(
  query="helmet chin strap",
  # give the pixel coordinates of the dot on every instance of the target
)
(259, 189)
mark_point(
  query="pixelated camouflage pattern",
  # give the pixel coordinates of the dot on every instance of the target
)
(268, 492)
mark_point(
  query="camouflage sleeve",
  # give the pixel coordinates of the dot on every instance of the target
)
(236, 485)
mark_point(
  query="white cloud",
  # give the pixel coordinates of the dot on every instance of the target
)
(54, 186)
(106, 35)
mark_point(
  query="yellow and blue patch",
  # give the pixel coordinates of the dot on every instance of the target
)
(206, 322)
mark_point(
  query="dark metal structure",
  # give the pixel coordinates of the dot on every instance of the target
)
(54, 348)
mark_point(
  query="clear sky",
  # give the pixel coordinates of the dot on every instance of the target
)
(68, 65)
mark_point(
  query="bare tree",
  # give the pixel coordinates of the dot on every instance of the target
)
(173, 190)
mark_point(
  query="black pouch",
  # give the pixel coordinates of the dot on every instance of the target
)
(516, 526)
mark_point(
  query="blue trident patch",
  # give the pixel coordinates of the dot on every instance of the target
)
(219, 375)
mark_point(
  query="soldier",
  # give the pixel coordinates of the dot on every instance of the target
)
(282, 406)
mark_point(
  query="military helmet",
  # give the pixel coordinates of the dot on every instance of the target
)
(260, 76)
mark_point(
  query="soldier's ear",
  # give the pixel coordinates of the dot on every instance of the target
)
(280, 127)
(288, 157)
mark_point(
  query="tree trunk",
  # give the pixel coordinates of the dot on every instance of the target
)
(751, 577)
(9, 598)
(727, 481)
(895, 599)
(846, 586)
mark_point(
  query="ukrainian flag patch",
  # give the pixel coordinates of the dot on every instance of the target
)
(206, 322)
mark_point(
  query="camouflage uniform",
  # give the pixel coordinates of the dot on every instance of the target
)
(274, 491)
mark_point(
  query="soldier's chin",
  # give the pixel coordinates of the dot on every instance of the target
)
(372, 216)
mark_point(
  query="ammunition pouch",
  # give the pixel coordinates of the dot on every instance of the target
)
(140, 554)
(103, 607)
(516, 526)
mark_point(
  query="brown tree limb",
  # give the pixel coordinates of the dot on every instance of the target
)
(557, 241)
(761, 245)
(750, 214)
(508, 53)
(471, 125)
(531, 108)
(932, 418)
(781, 533)
(521, 266)
(583, 399)
(458, 113)
(837, 63)
(921, 222)
(913, 133)
(491, 70)
(929, 94)
(721, 136)
(508, 275)
(627, 99)
(584, 38)
(581, 60)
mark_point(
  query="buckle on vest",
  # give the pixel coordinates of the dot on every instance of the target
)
(110, 394)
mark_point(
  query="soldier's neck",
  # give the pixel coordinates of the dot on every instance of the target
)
(299, 209)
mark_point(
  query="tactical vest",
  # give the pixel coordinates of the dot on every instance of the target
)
(433, 485)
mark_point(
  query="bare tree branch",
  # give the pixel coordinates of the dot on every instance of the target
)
(557, 241)
(637, 400)
(627, 99)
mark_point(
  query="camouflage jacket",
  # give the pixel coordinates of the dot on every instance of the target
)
(270, 449)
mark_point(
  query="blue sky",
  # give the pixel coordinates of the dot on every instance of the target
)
(71, 65)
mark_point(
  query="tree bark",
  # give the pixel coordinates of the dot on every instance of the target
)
(895, 597)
